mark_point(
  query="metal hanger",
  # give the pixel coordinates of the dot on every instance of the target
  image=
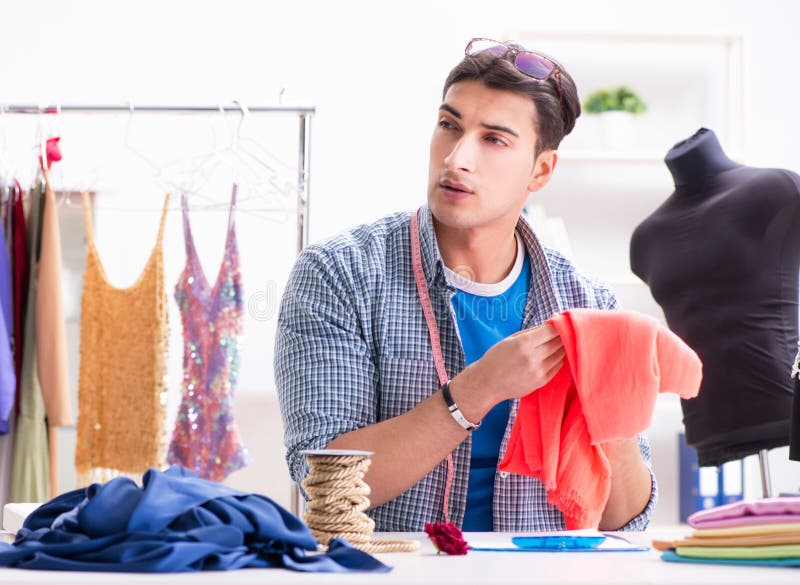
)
(252, 148)
(250, 174)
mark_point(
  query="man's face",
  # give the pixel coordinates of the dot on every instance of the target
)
(482, 163)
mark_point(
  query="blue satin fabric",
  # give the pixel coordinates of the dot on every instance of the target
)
(174, 522)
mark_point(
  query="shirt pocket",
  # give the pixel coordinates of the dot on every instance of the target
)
(404, 383)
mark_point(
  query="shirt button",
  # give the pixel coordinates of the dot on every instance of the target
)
(503, 474)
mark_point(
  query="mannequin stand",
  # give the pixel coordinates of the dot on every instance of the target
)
(763, 464)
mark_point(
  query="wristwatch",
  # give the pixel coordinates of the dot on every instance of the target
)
(454, 411)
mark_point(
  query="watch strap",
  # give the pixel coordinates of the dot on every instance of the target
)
(452, 407)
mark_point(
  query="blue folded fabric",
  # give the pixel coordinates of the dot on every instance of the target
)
(673, 557)
(175, 522)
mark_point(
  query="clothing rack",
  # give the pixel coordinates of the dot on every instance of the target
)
(304, 114)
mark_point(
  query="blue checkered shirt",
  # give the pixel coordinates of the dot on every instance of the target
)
(352, 349)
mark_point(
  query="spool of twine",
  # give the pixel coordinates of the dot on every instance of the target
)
(339, 496)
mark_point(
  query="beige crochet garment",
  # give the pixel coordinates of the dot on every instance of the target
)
(121, 386)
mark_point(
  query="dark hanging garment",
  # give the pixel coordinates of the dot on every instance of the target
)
(721, 257)
(20, 266)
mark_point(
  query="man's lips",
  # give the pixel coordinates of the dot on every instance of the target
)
(455, 186)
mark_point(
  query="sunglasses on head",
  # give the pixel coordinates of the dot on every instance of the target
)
(532, 64)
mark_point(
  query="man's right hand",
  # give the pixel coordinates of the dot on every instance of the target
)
(512, 368)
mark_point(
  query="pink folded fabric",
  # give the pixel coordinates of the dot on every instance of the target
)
(765, 511)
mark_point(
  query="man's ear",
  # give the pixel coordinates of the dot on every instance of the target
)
(543, 169)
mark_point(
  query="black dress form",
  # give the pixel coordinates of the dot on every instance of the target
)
(721, 257)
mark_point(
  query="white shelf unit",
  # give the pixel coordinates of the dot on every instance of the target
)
(603, 191)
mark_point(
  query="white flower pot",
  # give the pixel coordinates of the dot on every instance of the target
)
(617, 130)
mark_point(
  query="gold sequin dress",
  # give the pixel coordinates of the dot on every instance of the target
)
(121, 384)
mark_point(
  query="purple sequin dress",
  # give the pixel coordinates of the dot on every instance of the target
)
(206, 437)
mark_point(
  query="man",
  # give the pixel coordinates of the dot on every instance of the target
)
(354, 362)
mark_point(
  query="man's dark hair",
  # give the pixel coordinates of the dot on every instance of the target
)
(555, 115)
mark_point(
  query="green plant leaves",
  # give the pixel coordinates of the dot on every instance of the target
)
(622, 99)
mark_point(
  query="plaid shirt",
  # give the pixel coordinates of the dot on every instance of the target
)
(352, 349)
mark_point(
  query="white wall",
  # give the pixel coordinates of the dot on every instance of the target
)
(374, 70)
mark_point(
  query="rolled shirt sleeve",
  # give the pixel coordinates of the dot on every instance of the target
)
(325, 372)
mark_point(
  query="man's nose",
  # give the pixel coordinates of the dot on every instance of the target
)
(462, 156)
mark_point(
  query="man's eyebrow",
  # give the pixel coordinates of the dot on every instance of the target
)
(497, 128)
(451, 110)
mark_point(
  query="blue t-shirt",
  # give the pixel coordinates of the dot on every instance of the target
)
(485, 315)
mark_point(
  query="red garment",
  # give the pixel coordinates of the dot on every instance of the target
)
(616, 364)
(20, 271)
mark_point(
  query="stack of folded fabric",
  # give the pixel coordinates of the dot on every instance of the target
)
(763, 532)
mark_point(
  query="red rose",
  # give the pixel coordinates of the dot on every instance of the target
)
(447, 538)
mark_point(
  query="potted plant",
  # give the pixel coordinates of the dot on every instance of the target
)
(616, 108)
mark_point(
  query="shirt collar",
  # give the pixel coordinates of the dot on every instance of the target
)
(432, 261)
(541, 277)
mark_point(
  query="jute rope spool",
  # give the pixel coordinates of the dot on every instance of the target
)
(339, 496)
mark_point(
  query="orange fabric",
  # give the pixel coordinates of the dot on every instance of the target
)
(51, 336)
(617, 362)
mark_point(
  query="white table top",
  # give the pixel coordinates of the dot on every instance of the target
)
(426, 567)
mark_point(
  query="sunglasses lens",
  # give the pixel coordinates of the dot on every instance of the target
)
(486, 46)
(533, 65)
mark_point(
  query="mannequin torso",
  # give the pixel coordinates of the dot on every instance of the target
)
(721, 257)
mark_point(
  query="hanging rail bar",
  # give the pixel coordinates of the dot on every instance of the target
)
(100, 108)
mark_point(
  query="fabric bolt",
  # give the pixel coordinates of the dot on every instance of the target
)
(672, 557)
(121, 383)
(206, 438)
(764, 511)
(8, 378)
(175, 522)
(30, 470)
(616, 364)
(353, 349)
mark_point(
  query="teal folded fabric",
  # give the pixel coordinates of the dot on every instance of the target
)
(671, 557)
